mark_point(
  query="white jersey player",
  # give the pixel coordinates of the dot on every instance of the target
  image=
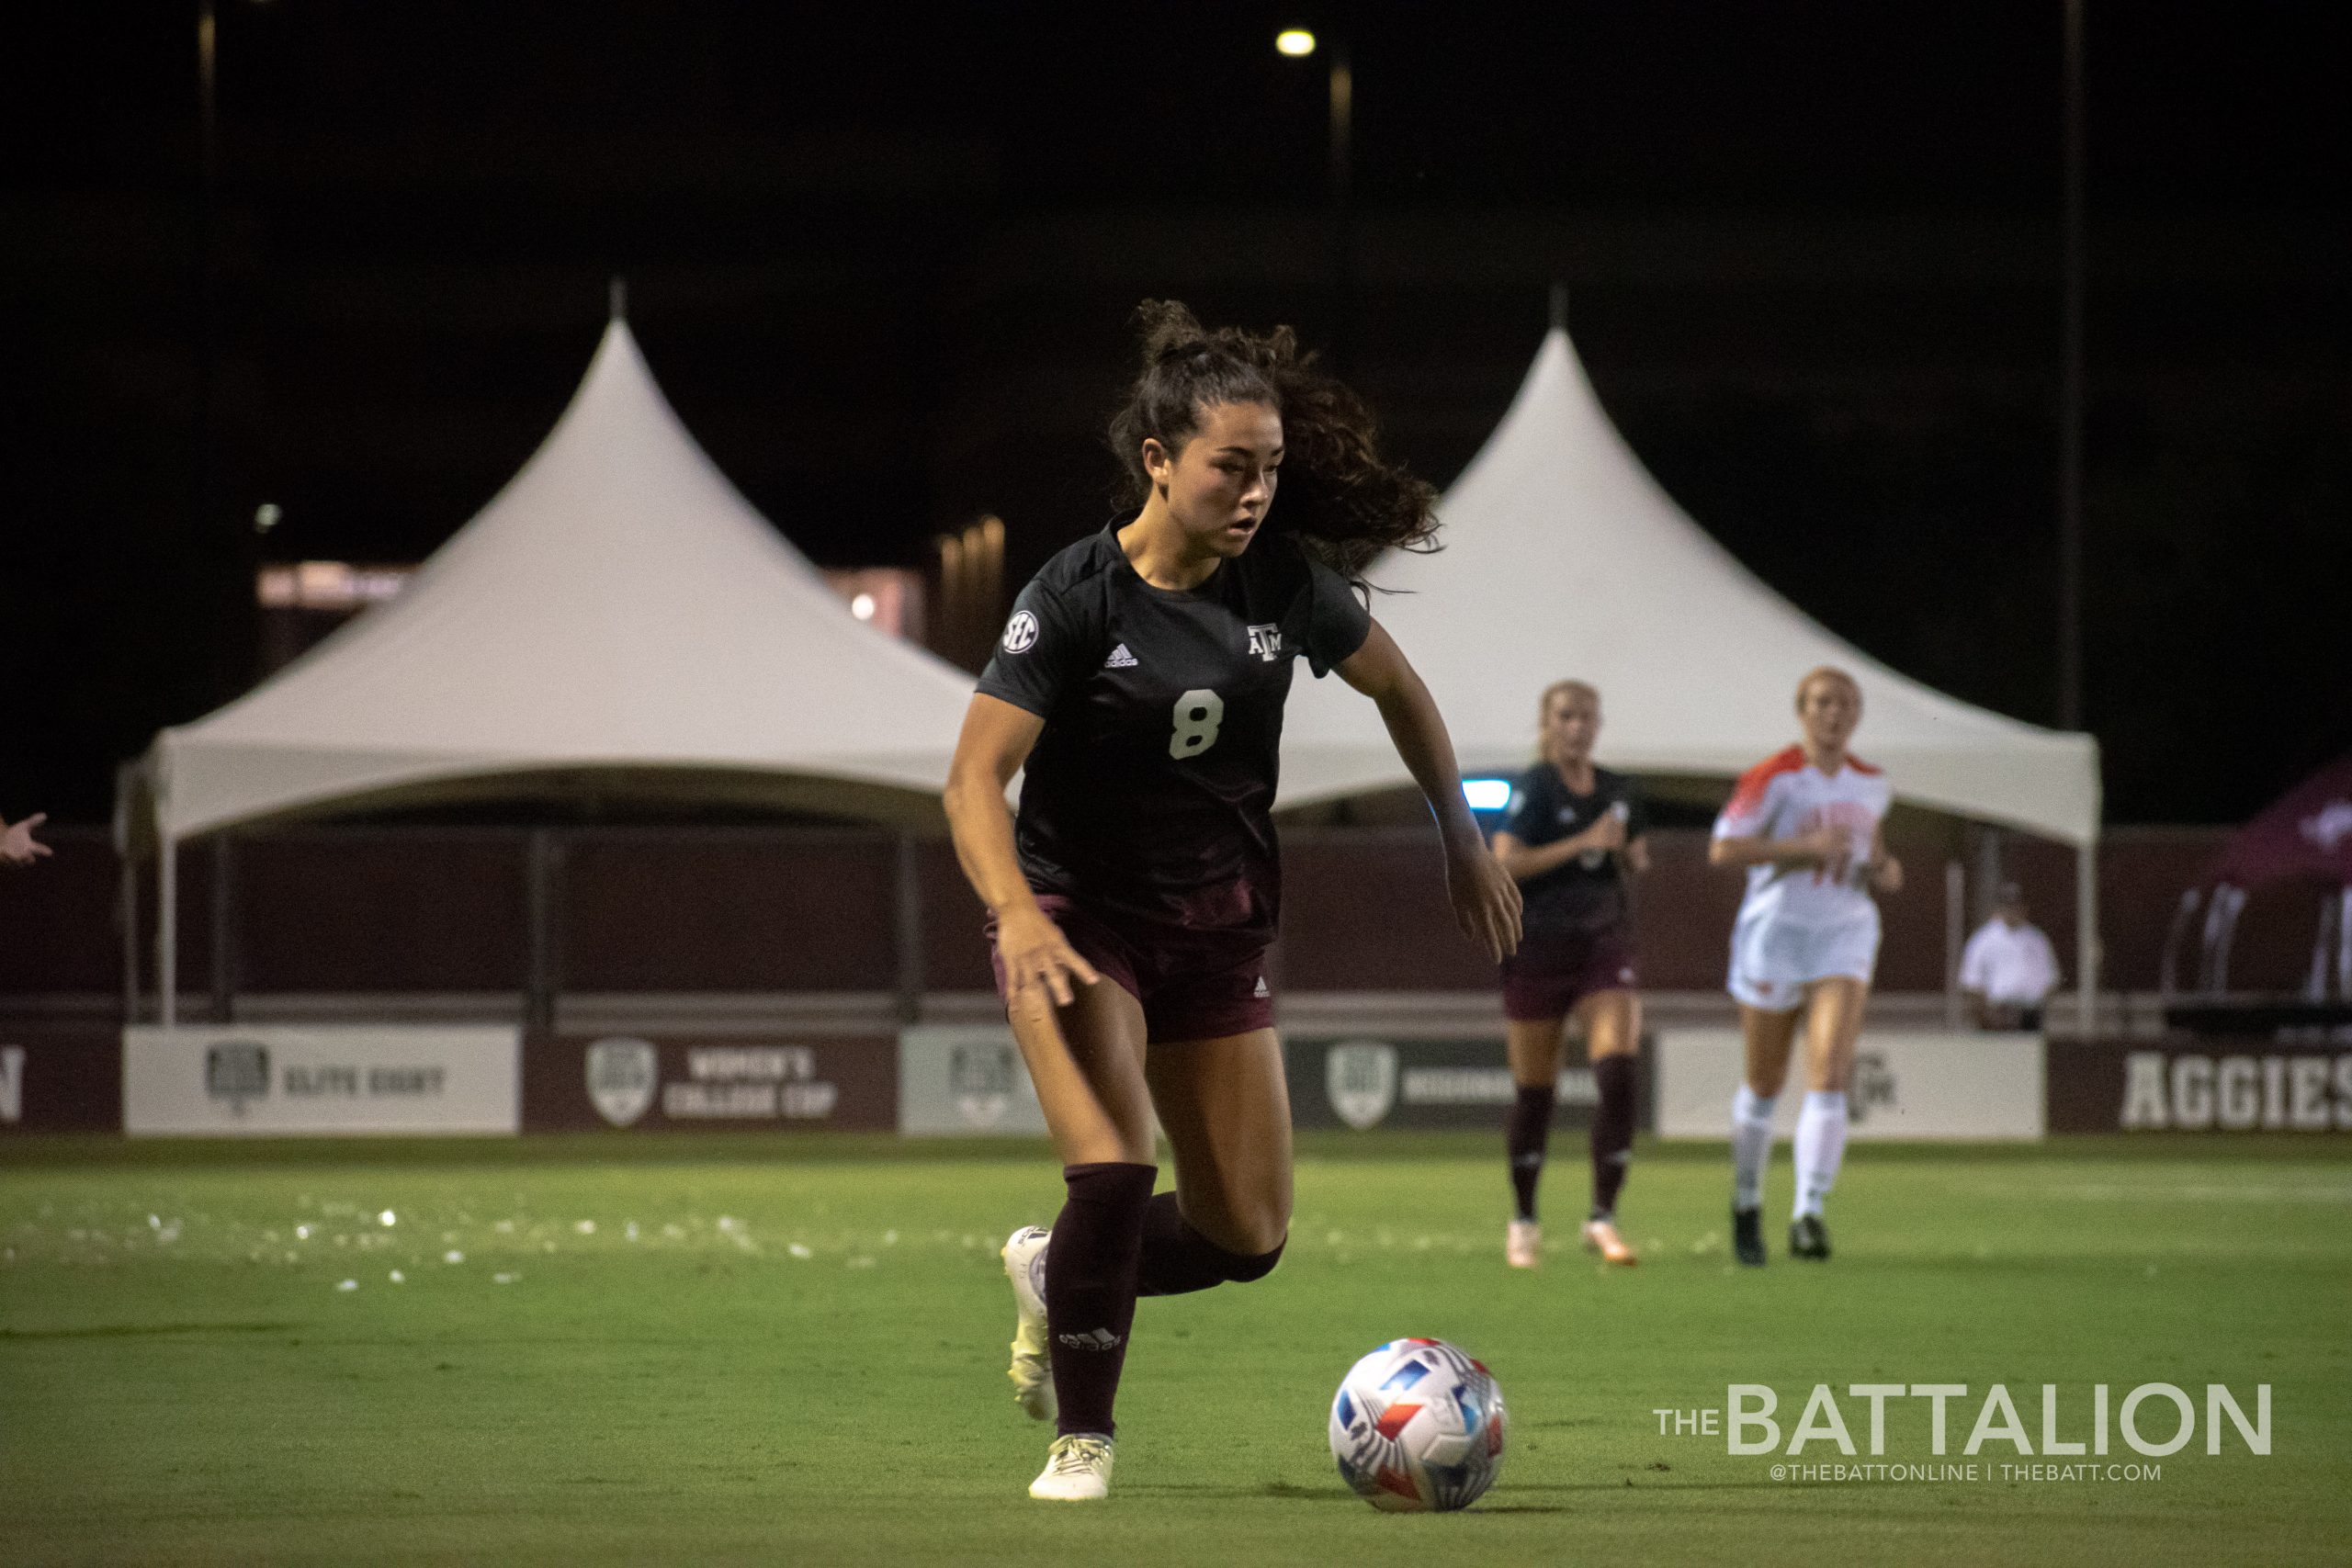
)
(1806, 824)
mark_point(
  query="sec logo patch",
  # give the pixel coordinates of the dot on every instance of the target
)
(1020, 632)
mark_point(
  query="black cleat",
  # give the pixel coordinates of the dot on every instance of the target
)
(1808, 1238)
(1747, 1236)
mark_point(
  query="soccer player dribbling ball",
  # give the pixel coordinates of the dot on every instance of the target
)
(1572, 834)
(1140, 681)
(1806, 824)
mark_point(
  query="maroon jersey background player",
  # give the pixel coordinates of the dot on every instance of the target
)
(1141, 681)
(1573, 836)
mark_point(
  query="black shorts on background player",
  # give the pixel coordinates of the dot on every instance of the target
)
(1147, 802)
(1578, 921)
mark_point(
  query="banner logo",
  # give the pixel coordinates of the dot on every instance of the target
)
(1360, 1077)
(622, 1072)
(1873, 1087)
(238, 1072)
(979, 1078)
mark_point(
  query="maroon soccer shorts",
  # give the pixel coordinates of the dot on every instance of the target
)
(1549, 974)
(1193, 985)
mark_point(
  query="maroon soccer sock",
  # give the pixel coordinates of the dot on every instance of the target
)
(1178, 1260)
(1612, 1131)
(1090, 1287)
(1526, 1132)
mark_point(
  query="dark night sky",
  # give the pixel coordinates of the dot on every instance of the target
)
(883, 269)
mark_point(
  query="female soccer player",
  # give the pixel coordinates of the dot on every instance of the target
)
(1806, 824)
(1140, 681)
(1572, 833)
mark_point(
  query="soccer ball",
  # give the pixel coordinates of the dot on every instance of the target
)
(1419, 1425)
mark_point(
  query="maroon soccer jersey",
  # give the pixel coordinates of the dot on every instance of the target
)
(1149, 794)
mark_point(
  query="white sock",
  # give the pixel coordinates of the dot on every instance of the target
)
(1751, 1145)
(1821, 1146)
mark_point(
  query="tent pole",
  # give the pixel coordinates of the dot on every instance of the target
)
(909, 929)
(167, 929)
(542, 857)
(224, 919)
(126, 891)
(2087, 945)
(1955, 918)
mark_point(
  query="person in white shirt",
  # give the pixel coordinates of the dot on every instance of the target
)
(2008, 968)
(1805, 825)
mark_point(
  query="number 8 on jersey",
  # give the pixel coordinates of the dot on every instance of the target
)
(1198, 714)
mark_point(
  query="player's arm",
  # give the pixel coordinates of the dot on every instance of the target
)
(1821, 847)
(1485, 899)
(996, 739)
(1525, 860)
(1885, 871)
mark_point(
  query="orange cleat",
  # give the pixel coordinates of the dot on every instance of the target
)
(1523, 1245)
(1601, 1235)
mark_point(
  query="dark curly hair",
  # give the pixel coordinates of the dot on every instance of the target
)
(1339, 498)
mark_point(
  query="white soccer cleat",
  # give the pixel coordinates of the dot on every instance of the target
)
(1032, 1372)
(1601, 1235)
(1078, 1470)
(1524, 1244)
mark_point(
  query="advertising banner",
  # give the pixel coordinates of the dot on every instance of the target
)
(1367, 1081)
(676, 1082)
(967, 1082)
(277, 1079)
(60, 1080)
(2200, 1086)
(1905, 1086)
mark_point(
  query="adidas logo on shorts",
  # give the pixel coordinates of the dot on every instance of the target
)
(1120, 658)
(1261, 990)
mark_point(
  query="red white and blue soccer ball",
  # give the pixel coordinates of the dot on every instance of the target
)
(1419, 1426)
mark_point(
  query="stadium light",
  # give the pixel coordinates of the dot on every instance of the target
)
(1486, 795)
(1296, 43)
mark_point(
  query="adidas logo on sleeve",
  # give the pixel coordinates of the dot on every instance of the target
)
(1120, 658)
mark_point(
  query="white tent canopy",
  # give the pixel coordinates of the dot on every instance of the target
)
(618, 607)
(1563, 557)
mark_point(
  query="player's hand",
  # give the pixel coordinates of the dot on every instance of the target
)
(1887, 875)
(1485, 899)
(17, 845)
(1826, 848)
(1609, 834)
(1038, 958)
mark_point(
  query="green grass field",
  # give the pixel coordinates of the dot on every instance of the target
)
(792, 1351)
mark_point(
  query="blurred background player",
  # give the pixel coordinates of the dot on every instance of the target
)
(1140, 681)
(2010, 968)
(1572, 834)
(1806, 824)
(17, 845)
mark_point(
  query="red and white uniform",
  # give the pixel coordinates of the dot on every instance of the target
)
(1797, 924)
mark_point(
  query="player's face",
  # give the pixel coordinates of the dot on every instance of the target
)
(1829, 709)
(1221, 484)
(1571, 723)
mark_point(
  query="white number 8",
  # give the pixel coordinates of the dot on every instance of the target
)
(1198, 714)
